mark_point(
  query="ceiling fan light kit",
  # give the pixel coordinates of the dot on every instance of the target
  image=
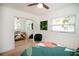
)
(40, 5)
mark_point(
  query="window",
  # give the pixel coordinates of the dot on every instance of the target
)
(22, 24)
(19, 24)
(64, 24)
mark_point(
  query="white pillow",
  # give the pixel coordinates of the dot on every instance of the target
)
(40, 44)
(67, 49)
(59, 45)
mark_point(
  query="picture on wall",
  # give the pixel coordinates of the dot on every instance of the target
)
(43, 25)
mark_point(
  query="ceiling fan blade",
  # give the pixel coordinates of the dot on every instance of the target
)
(45, 6)
(32, 4)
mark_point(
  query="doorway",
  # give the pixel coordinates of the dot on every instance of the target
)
(23, 28)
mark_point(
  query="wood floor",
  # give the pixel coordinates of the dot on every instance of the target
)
(20, 46)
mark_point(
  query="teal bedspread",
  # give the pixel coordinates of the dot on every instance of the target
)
(44, 51)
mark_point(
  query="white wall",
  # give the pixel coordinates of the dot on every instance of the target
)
(7, 25)
(0, 26)
(70, 40)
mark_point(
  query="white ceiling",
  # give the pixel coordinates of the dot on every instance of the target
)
(36, 11)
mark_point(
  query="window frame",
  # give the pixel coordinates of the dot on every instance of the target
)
(74, 25)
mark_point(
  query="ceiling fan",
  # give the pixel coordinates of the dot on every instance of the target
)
(39, 5)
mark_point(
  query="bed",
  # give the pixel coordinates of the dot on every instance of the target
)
(20, 35)
(41, 50)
